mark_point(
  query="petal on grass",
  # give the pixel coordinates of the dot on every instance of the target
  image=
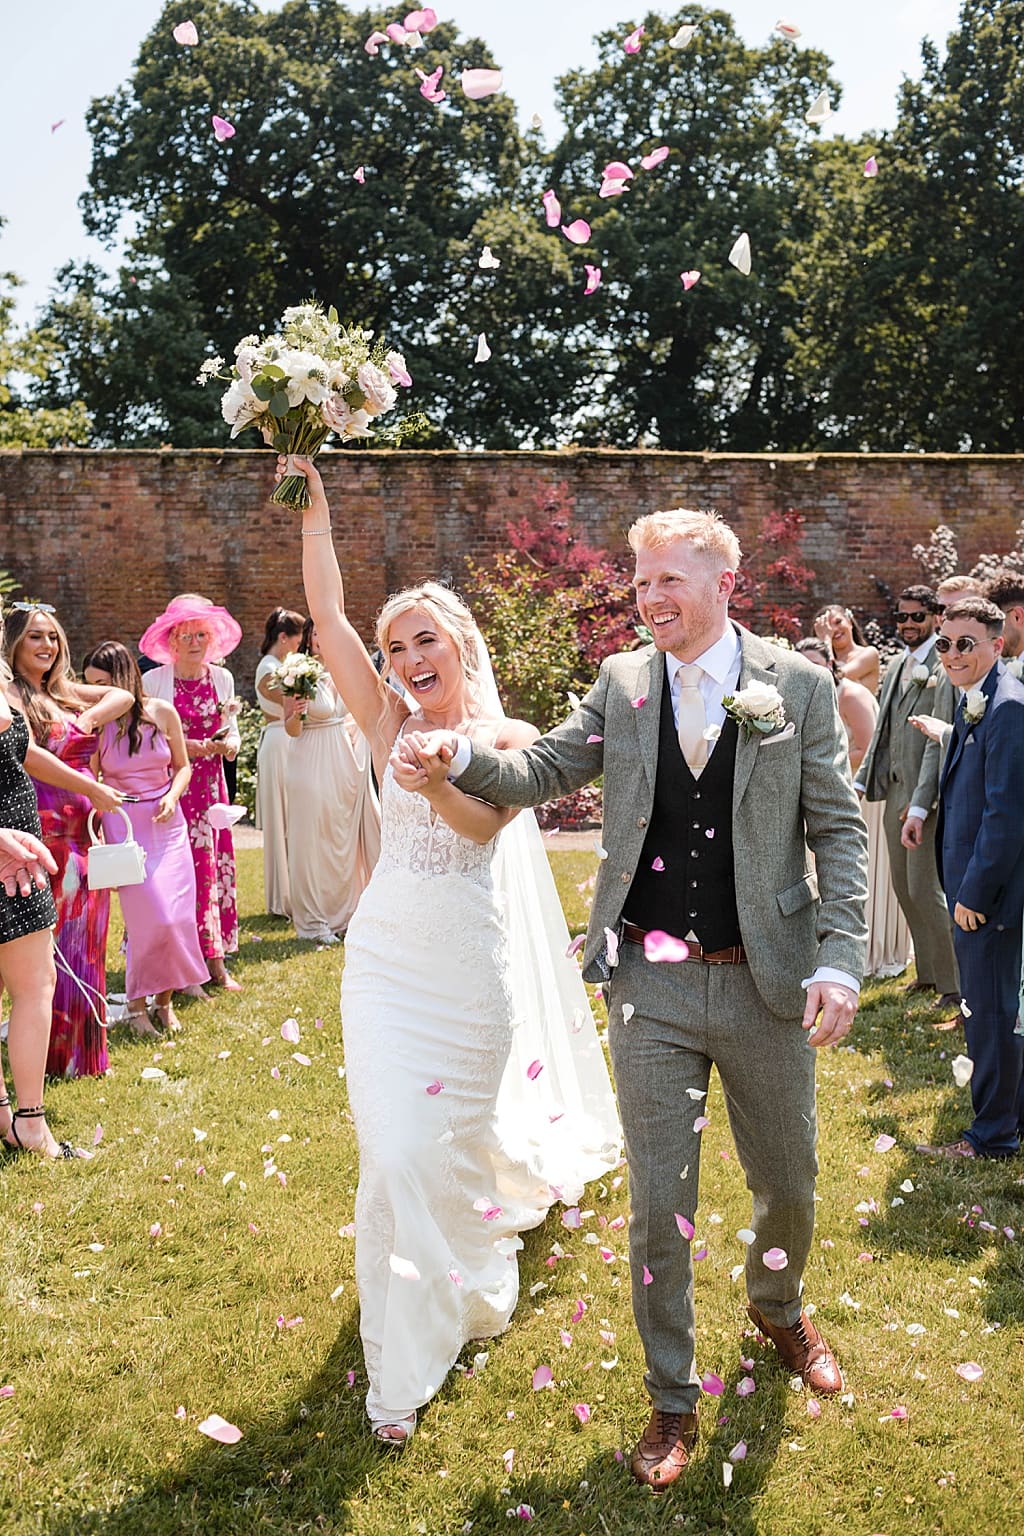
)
(582, 1412)
(970, 1370)
(713, 1385)
(290, 1031)
(542, 1377)
(885, 1142)
(216, 1428)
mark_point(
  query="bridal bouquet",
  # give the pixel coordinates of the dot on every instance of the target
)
(297, 676)
(312, 377)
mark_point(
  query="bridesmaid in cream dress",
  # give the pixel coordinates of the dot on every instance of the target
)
(889, 946)
(333, 812)
(280, 638)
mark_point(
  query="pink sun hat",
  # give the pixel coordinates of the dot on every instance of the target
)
(225, 632)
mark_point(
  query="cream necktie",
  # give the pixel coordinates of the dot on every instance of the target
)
(691, 720)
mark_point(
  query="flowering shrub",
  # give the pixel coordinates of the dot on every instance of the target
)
(772, 577)
(573, 813)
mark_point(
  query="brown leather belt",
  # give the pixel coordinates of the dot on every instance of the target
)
(734, 955)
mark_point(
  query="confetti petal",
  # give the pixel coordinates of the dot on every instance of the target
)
(655, 157)
(222, 129)
(970, 1370)
(640, 702)
(576, 945)
(658, 865)
(478, 83)
(701, 1123)
(813, 1408)
(552, 209)
(434, 1088)
(430, 85)
(592, 740)
(713, 1385)
(634, 40)
(359, 174)
(572, 1218)
(534, 1070)
(582, 1412)
(696, 1093)
(686, 1228)
(302, 1059)
(739, 1451)
(787, 29)
(617, 170)
(611, 940)
(647, 1276)
(542, 1377)
(421, 21)
(689, 279)
(396, 33)
(775, 1258)
(963, 1070)
(97, 1136)
(739, 256)
(746, 1387)
(593, 284)
(290, 1031)
(405, 1269)
(488, 261)
(661, 947)
(220, 1430)
(483, 351)
(373, 42)
(612, 188)
(185, 33)
(683, 38)
(578, 232)
(870, 166)
(627, 1012)
(819, 111)
(885, 1143)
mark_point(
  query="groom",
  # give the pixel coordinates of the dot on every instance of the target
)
(709, 810)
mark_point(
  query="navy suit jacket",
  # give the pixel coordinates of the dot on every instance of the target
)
(979, 841)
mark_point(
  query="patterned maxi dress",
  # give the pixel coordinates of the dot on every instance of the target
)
(213, 850)
(78, 1040)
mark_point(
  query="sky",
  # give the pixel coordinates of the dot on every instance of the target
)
(55, 62)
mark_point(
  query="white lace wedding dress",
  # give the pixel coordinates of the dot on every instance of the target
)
(445, 1179)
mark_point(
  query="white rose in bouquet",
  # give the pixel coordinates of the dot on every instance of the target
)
(297, 676)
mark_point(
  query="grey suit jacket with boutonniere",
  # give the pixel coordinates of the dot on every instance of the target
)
(791, 793)
(897, 745)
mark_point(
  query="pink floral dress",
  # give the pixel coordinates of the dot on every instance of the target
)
(213, 851)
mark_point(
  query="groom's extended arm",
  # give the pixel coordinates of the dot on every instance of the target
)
(563, 760)
(836, 835)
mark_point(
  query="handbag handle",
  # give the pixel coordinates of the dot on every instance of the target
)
(124, 817)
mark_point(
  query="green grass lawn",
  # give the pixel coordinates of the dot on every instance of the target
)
(202, 1263)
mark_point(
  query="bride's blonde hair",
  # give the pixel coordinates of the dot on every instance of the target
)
(450, 614)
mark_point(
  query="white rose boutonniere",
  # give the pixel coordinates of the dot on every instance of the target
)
(920, 676)
(1015, 666)
(758, 708)
(975, 705)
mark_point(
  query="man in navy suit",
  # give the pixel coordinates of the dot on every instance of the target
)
(980, 851)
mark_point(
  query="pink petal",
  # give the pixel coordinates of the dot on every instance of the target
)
(970, 1371)
(612, 188)
(534, 1070)
(747, 1387)
(552, 209)
(400, 375)
(576, 945)
(491, 1213)
(507, 1457)
(611, 940)
(222, 129)
(685, 1227)
(395, 32)
(430, 87)
(7, 1391)
(421, 21)
(359, 174)
(185, 33)
(885, 1143)
(813, 1408)
(578, 232)
(478, 83)
(655, 157)
(647, 1276)
(632, 43)
(454, 1277)
(302, 1060)
(219, 1429)
(617, 170)
(700, 1123)
(571, 1219)
(658, 865)
(373, 42)
(739, 1451)
(581, 1307)
(775, 1258)
(290, 1031)
(699, 1254)
(870, 166)
(898, 1412)
(434, 1088)
(592, 740)
(689, 279)
(713, 1385)
(787, 29)
(97, 1136)
(542, 1377)
(640, 702)
(593, 284)
(179, 1412)
(582, 1412)
(275, 1073)
(156, 1229)
(659, 947)
(565, 1337)
(350, 1378)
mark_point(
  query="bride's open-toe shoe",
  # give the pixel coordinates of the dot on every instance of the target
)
(394, 1434)
(61, 1149)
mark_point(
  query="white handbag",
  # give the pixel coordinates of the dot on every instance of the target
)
(114, 864)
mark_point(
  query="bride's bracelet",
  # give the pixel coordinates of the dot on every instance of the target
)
(313, 533)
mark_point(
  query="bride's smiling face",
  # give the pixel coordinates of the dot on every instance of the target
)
(426, 660)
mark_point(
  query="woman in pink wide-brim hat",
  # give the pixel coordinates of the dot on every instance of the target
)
(190, 629)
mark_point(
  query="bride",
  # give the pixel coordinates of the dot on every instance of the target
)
(476, 1080)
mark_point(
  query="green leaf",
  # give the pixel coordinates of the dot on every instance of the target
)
(354, 398)
(279, 404)
(264, 388)
(283, 442)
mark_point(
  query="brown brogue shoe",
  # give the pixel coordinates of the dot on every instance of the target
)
(663, 1450)
(804, 1352)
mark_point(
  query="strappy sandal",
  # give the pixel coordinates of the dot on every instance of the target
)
(65, 1150)
(405, 1427)
(142, 1025)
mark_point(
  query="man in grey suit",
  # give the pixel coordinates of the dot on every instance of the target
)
(723, 762)
(898, 769)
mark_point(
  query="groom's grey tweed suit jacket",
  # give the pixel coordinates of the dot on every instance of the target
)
(788, 795)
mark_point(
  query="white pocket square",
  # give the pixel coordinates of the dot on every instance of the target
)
(783, 735)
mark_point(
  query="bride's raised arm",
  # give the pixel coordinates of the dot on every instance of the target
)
(377, 709)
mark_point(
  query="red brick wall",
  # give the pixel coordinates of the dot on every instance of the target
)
(109, 537)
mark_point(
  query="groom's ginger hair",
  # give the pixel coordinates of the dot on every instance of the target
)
(705, 532)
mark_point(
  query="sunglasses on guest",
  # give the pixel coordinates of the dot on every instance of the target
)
(962, 643)
(31, 608)
(917, 617)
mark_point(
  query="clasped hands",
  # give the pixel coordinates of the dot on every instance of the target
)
(420, 761)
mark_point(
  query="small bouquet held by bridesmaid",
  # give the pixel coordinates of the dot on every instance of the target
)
(312, 377)
(297, 676)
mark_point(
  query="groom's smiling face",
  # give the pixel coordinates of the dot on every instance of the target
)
(683, 597)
